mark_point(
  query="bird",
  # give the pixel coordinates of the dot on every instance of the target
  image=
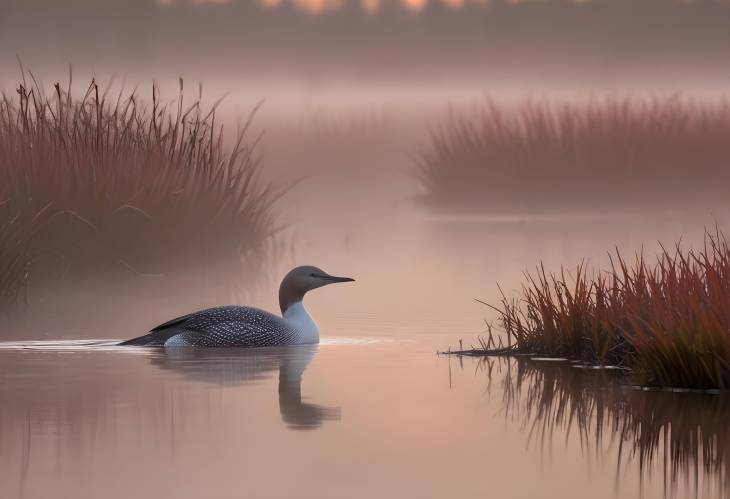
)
(239, 326)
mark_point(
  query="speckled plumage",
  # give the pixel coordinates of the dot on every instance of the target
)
(235, 326)
(229, 326)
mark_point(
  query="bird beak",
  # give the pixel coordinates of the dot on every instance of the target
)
(333, 279)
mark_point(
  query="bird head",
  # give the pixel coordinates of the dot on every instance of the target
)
(302, 279)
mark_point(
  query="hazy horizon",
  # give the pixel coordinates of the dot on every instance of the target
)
(328, 48)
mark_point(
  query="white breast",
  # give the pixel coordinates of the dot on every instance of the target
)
(297, 317)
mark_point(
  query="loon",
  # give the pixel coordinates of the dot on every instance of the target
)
(236, 326)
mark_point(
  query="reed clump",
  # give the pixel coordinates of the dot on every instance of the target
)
(667, 320)
(103, 184)
(615, 153)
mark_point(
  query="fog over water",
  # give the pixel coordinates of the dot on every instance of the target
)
(536, 45)
(352, 92)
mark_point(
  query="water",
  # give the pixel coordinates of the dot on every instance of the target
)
(372, 411)
(349, 418)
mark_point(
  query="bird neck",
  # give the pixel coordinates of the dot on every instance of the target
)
(297, 317)
(289, 294)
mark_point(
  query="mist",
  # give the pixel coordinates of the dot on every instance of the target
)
(427, 51)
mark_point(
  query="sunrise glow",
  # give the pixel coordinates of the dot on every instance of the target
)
(316, 7)
(370, 6)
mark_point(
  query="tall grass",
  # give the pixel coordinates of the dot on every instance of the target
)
(667, 320)
(100, 184)
(612, 153)
(15, 259)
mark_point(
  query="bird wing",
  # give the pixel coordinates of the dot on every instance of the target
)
(220, 326)
(236, 334)
(194, 322)
(173, 322)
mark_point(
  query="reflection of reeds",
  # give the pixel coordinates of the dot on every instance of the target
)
(613, 153)
(686, 434)
(669, 322)
(123, 188)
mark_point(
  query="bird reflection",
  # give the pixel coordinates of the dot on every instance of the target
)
(239, 366)
(685, 434)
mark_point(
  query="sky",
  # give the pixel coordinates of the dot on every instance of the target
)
(424, 46)
(375, 6)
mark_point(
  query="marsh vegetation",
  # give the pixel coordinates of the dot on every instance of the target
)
(667, 319)
(605, 154)
(105, 187)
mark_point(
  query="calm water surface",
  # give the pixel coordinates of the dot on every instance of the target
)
(372, 411)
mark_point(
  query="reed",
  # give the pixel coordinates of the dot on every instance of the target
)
(668, 321)
(101, 184)
(615, 153)
(14, 257)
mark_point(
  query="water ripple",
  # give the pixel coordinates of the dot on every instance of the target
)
(113, 344)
